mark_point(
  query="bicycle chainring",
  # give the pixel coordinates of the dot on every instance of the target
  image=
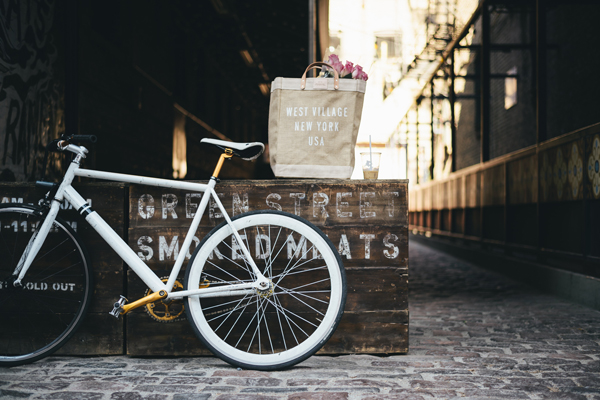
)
(165, 310)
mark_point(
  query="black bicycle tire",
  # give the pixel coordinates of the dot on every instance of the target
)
(305, 355)
(70, 330)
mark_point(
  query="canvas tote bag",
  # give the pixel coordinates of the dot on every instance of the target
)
(313, 125)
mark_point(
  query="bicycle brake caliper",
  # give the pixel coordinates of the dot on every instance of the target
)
(118, 308)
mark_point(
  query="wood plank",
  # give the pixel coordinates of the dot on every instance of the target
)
(357, 245)
(100, 334)
(371, 291)
(493, 182)
(323, 204)
(473, 190)
(370, 332)
(522, 180)
(363, 332)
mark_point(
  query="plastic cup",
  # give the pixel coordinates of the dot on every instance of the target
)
(370, 164)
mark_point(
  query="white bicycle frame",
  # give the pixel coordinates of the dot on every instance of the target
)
(67, 192)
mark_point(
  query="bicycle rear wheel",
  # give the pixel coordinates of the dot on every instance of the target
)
(284, 324)
(41, 316)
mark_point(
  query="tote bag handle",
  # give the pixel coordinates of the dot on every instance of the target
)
(336, 77)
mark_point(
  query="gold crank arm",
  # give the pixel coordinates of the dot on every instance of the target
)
(151, 298)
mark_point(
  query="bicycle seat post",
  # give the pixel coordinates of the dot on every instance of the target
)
(228, 153)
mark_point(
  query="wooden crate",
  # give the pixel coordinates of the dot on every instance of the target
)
(100, 333)
(367, 220)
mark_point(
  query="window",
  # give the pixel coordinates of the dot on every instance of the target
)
(510, 88)
(388, 46)
(179, 147)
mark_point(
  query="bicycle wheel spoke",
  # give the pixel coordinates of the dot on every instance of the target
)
(287, 320)
(310, 284)
(291, 292)
(303, 302)
(268, 330)
(304, 271)
(266, 271)
(40, 258)
(235, 323)
(281, 327)
(217, 279)
(286, 312)
(298, 258)
(247, 267)
(247, 248)
(46, 305)
(14, 252)
(62, 270)
(223, 304)
(223, 270)
(257, 315)
(280, 249)
(230, 314)
(283, 310)
(288, 270)
(243, 333)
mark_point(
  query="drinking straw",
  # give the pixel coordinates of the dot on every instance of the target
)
(370, 155)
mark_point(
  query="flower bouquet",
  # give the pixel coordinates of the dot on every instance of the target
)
(348, 70)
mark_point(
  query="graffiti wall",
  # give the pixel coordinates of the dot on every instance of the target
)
(31, 85)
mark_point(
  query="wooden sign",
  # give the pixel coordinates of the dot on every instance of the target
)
(366, 221)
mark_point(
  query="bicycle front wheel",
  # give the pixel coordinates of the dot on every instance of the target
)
(283, 324)
(38, 317)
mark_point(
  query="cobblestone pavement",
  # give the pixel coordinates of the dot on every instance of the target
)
(472, 335)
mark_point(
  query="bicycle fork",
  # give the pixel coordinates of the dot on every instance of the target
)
(37, 240)
(34, 245)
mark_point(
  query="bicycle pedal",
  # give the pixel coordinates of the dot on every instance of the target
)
(118, 307)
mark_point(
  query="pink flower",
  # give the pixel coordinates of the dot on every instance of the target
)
(347, 69)
(333, 59)
(358, 73)
(338, 66)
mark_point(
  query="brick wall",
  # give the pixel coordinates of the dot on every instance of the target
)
(573, 61)
(514, 128)
(571, 84)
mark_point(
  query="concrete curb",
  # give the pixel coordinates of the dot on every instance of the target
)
(578, 288)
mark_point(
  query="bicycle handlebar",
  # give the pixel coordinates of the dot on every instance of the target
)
(63, 144)
(82, 138)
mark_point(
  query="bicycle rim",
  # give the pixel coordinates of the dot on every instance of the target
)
(39, 317)
(280, 326)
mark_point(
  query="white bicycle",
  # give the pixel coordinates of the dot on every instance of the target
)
(263, 290)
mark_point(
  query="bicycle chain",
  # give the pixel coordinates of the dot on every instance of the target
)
(168, 316)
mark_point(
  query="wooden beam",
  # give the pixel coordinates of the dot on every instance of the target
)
(484, 58)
